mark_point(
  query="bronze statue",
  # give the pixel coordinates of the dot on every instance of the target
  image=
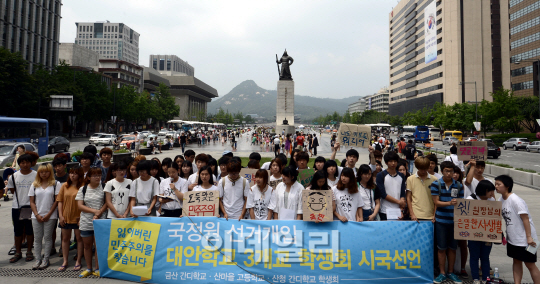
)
(286, 61)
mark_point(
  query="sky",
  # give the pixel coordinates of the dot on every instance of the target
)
(339, 47)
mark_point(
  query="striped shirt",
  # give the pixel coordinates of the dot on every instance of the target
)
(446, 214)
(93, 199)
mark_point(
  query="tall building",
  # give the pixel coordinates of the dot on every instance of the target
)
(33, 29)
(110, 40)
(524, 45)
(437, 45)
(123, 73)
(358, 106)
(171, 63)
(378, 101)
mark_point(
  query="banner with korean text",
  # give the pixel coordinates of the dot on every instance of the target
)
(214, 250)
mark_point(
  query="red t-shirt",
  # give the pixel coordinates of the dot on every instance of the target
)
(300, 140)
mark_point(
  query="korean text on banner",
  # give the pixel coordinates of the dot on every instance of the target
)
(430, 31)
(214, 250)
(478, 220)
(201, 203)
(305, 176)
(354, 135)
(477, 150)
(317, 205)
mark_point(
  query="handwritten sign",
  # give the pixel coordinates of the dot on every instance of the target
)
(305, 176)
(354, 135)
(468, 150)
(273, 184)
(201, 203)
(478, 220)
(317, 205)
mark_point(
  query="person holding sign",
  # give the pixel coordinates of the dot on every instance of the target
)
(351, 159)
(445, 192)
(117, 192)
(171, 193)
(201, 160)
(479, 250)
(144, 190)
(349, 202)
(520, 231)
(286, 200)
(454, 158)
(391, 184)
(259, 197)
(474, 176)
(233, 191)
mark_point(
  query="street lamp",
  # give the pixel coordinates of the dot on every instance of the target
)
(475, 95)
(537, 61)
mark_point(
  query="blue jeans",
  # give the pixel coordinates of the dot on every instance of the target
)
(183, 147)
(411, 166)
(479, 251)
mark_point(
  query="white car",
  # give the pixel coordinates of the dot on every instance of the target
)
(95, 137)
(145, 133)
(105, 139)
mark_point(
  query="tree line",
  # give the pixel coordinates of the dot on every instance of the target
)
(29, 95)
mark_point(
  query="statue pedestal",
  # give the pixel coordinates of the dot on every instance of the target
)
(285, 106)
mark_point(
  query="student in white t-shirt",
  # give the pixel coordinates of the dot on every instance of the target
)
(144, 190)
(259, 197)
(42, 194)
(206, 180)
(275, 172)
(349, 203)
(520, 230)
(117, 191)
(331, 170)
(286, 202)
(474, 176)
(201, 160)
(233, 191)
(173, 187)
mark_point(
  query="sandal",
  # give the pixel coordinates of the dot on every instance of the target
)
(29, 256)
(12, 251)
(77, 267)
(62, 268)
(16, 257)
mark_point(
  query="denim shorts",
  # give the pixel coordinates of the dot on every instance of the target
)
(86, 234)
(445, 236)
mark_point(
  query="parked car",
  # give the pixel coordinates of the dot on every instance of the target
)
(516, 143)
(145, 133)
(9, 149)
(127, 139)
(94, 137)
(105, 139)
(485, 139)
(493, 150)
(471, 139)
(58, 143)
(534, 146)
(448, 140)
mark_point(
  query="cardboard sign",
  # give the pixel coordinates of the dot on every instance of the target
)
(478, 220)
(201, 203)
(273, 184)
(249, 174)
(305, 176)
(477, 150)
(354, 135)
(317, 205)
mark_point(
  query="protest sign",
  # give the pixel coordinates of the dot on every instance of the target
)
(354, 135)
(215, 250)
(317, 205)
(305, 176)
(273, 184)
(478, 220)
(201, 203)
(249, 174)
(468, 150)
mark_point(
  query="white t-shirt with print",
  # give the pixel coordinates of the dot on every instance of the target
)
(44, 199)
(165, 189)
(194, 179)
(294, 200)
(119, 196)
(347, 204)
(23, 183)
(233, 196)
(468, 190)
(259, 202)
(200, 188)
(92, 199)
(142, 190)
(512, 208)
(332, 183)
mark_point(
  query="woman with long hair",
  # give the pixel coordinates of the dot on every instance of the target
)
(348, 200)
(331, 171)
(205, 180)
(165, 165)
(186, 170)
(132, 173)
(42, 193)
(156, 170)
(69, 215)
(286, 202)
(275, 172)
(179, 159)
(292, 160)
(369, 193)
(319, 182)
(259, 197)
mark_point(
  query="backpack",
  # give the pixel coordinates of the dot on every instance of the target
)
(378, 146)
(243, 184)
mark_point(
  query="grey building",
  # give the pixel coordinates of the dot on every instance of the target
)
(33, 29)
(171, 63)
(110, 40)
(76, 55)
(358, 106)
(378, 101)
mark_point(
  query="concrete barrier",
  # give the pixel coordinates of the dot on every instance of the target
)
(521, 177)
(487, 171)
(497, 171)
(536, 180)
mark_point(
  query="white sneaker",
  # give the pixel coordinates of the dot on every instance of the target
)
(476, 281)
(36, 264)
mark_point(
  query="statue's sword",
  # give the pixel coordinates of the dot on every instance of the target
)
(279, 71)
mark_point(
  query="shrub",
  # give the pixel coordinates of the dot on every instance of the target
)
(120, 151)
(504, 166)
(526, 170)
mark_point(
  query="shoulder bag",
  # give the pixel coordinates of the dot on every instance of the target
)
(25, 212)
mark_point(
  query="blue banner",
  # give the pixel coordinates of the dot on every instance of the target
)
(214, 250)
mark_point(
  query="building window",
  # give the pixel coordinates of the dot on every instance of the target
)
(168, 65)
(534, 6)
(162, 64)
(521, 71)
(522, 86)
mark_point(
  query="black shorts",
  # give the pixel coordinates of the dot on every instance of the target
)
(519, 253)
(175, 213)
(69, 226)
(21, 226)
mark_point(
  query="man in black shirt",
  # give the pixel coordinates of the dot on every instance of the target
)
(410, 155)
(60, 174)
(183, 140)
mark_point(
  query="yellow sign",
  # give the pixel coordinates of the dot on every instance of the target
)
(132, 246)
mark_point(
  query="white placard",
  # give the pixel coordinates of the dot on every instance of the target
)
(430, 32)
(393, 213)
(140, 210)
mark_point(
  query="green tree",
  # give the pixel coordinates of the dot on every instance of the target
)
(167, 108)
(503, 111)
(16, 86)
(528, 107)
(347, 117)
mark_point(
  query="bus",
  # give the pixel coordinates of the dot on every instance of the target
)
(380, 128)
(420, 132)
(434, 133)
(31, 130)
(454, 133)
(409, 130)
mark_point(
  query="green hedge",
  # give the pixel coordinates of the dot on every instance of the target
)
(500, 138)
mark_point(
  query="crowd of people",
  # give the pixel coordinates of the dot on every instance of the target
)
(98, 188)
